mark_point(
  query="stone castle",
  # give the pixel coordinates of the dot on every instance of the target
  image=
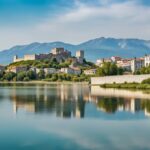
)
(60, 54)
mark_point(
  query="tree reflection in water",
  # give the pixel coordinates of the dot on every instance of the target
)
(69, 101)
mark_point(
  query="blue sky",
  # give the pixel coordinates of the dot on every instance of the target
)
(74, 21)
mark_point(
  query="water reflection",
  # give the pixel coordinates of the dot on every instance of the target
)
(78, 101)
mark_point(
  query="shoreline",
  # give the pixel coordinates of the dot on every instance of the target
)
(138, 86)
(42, 82)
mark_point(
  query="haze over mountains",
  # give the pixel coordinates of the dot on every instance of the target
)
(94, 49)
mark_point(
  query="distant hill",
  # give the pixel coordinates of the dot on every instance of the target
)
(94, 49)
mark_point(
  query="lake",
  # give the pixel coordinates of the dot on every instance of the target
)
(73, 117)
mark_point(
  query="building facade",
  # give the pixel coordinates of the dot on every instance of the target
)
(16, 69)
(136, 64)
(50, 71)
(147, 60)
(2, 68)
(59, 53)
(90, 72)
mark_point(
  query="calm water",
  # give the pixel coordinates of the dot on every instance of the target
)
(73, 117)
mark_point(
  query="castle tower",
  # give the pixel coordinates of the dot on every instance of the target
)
(80, 54)
(15, 58)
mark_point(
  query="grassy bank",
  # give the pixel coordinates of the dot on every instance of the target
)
(41, 82)
(127, 86)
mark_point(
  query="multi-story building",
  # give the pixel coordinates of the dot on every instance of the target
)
(116, 58)
(125, 64)
(16, 69)
(75, 71)
(100, 62)
(147, 60)
(50, 71)
(136, 64)
(2, 68)
(90, 72)
(67, 70)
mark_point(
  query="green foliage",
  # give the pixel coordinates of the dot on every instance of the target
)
(143, 70)
(31, 75)
(1, 75)
(9, 76)
(21, 76)
(26, 79)
(41, 74)
(147, 81)
(109, 69)
(127, 86)
(67, 77)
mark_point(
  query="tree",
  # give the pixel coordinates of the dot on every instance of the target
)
(9, 76)
(21, 75)
(109, 69)
(41, 74)
(31, 75)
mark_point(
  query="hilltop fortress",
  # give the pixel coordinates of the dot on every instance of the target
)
(59, 53)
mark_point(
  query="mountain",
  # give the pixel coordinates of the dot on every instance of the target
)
(94, 49)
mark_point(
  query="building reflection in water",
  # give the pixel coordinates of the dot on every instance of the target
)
(68, 101)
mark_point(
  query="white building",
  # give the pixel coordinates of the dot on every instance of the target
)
(147, 60)
(136, 64)
(116, 58)
(100, 62)
(50, 71)
(125, 64)
(75, 71)
(67, 70)
(2, 68)
(90, 72)
(16, 69)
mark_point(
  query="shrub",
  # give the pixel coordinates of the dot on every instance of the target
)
(26, 79)
(146, 81)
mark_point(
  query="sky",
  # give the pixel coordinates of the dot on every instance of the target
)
(72, 21)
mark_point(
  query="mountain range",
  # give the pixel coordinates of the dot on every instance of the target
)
(94, 49)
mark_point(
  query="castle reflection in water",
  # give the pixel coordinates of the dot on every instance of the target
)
(68, 101)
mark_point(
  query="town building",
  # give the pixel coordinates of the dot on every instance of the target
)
(16, 69)
(100, 62)
(75, 70)
(90, 72)
(2, 68)
(147, 60)
(125, 64)
(116, 58)
(50, 71)
(136, 64)
(67, 70)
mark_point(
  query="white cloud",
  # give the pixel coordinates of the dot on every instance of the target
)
(84, 21)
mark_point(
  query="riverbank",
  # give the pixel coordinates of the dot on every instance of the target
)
(126, 86)
(41, 82)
